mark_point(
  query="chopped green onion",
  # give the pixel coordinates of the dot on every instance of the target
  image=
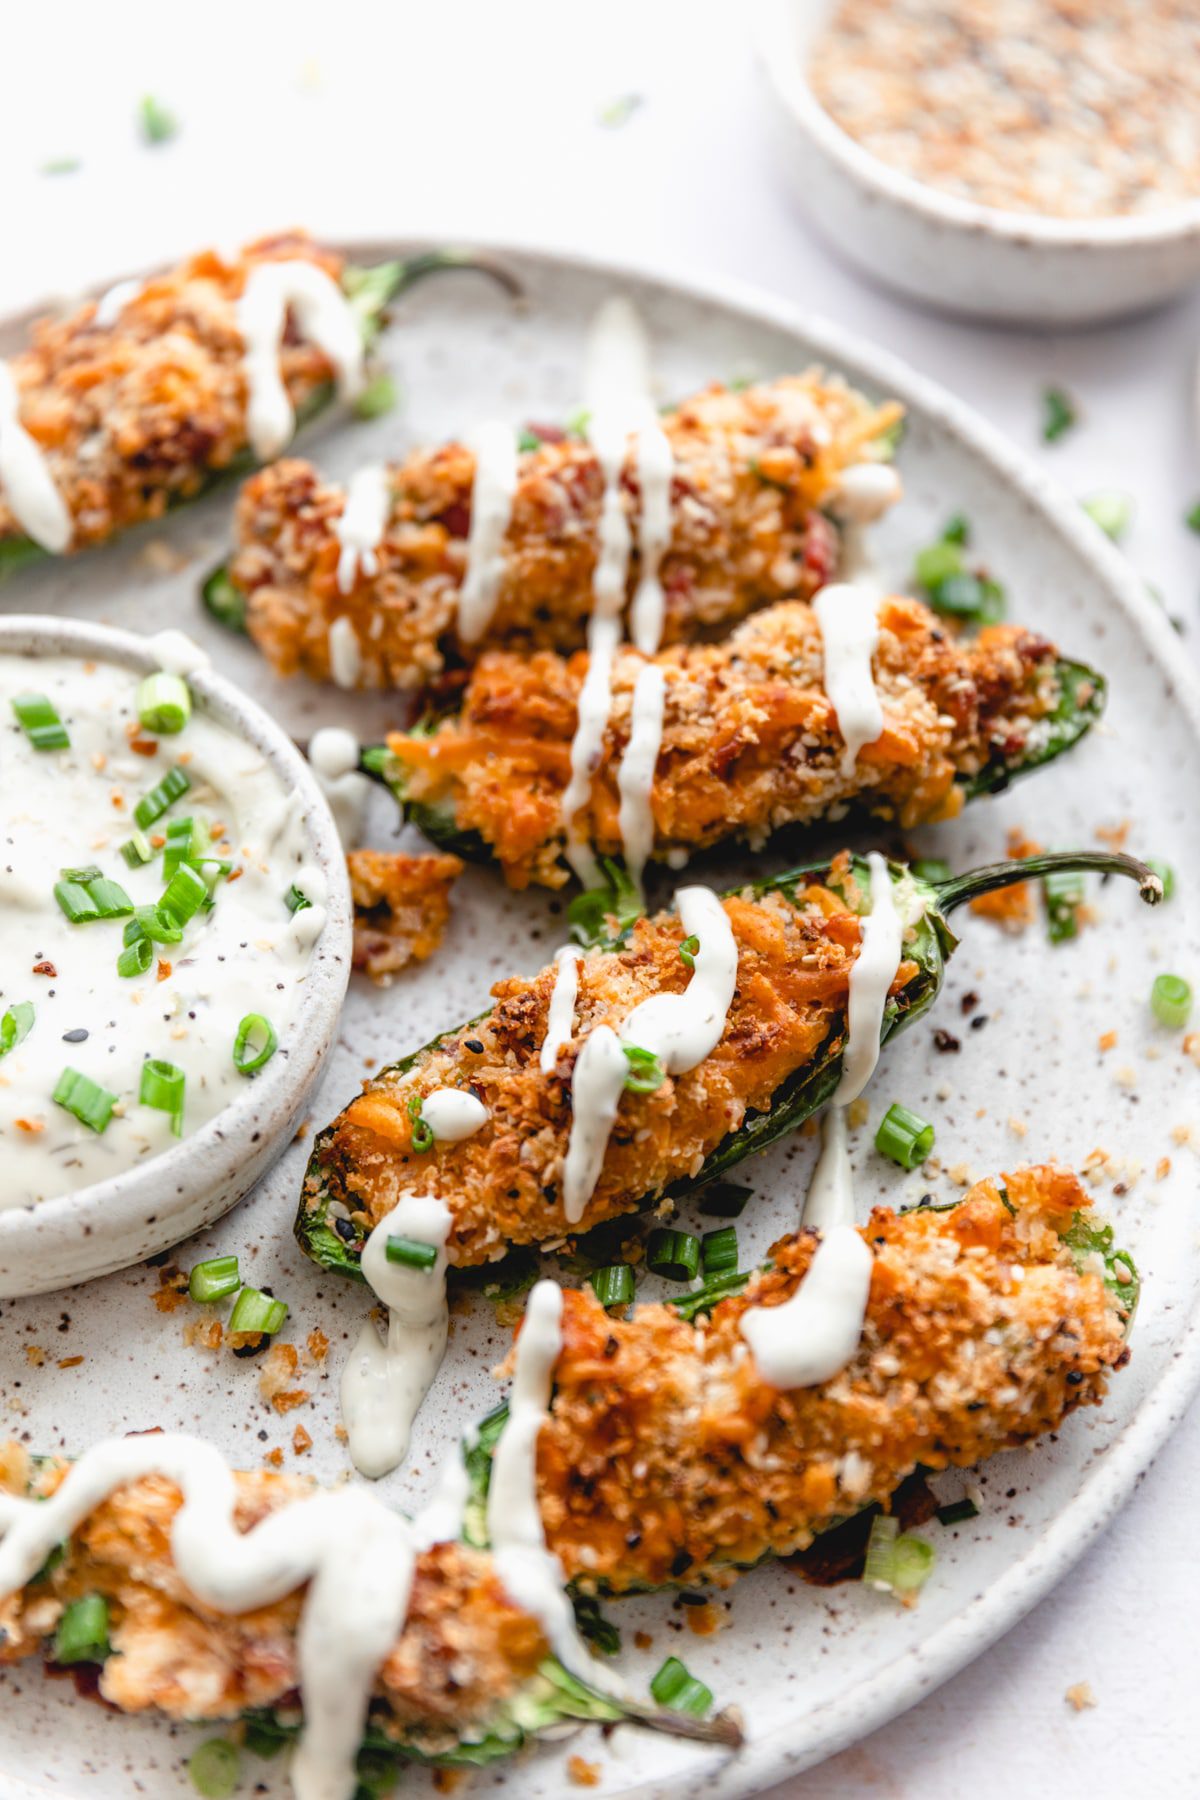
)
(1191, 517)
(215, 1769)
(725, 1199)
(153, 805)
(111, 898)
(184, 894)
(904, 1137)
(1111, 511)
(163, 1088)
(719, 1251)
(618, 112)
(613, 1286)
(422, 1131)
(16, 1025)
(158, 125)
(579, 421)
(255, 1029)
(646, 1073)
(953, 588)
(137, 850)
(91, 1104)
(164, 704)
(677, 1688)
(181, 836)
(957, 529)
(82, 1634)
(937, 563)
(1171, 1001)
(702, 1299)
(86, 894)
(214, 1279)
(675, 1254)
(896, 1563)
(261, 1740)
(61, 165)
(688, 949)
(528, 441)
(295, 900)
(1062, 895)
(588, 914)
(932, 869)
(378, 397)
(410, 1253)
(153, 922)
(1166, 875)
(136, 957)
(255, 1311)
(40, 722)
(1058, 414)
(957, 1511)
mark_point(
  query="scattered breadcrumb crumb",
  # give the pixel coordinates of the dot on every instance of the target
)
(318, 1344)
(1115, 836)
(643, 1640)
(1126, 1077)
(274, 1458)
(35, 1356)
(583, 1774)
(1018, 1127)
(301, 1441)
(1107, 1040)
(278, 1371)
(172, 1289)
(704, 1620)
(1162, 1168)
(1080, 1697)
(857, 1113)
(70, 1362)
(204, 1334)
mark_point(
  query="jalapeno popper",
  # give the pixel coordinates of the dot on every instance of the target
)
(133, 403)
(654, 1061)
(429, 561)
(634, 1454)
(736, 739)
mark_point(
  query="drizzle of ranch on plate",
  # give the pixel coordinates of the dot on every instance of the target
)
(356, 1556)
(25, 480)
(333, 756)
(813, 1335)
(324, 316)
(492, 490)
(846, 611)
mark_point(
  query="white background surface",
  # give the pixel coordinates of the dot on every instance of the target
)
(407, 118)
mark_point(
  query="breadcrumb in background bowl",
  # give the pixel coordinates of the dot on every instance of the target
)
(947, 250)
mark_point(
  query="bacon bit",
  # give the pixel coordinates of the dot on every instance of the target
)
(70, 1362)
(301, 1441)
(704, 1620)
(164, 970)
(1114, 835)
(583, 1774)
(1162, 1168)
(157, 840)
(234, 875)
(143, 746)
(1080, 1697)
(172, 1289)
(35, 1356)
(274, 1458)
(32, 1126)
(1108, 1040)
(45, 968)
(318, 1344)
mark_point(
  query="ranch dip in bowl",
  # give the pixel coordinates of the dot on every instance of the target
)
(174, 950)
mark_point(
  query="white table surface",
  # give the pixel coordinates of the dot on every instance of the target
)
(442, 119)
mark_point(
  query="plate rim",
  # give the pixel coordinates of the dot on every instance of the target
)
(912, 1674)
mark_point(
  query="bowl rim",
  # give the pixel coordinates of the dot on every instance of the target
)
(173, 1180)
(779, 58)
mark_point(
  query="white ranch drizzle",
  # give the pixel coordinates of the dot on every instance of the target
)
(846, 613)
(333, 757)
(560, 1017)
(25, 478)
(453, 1114)
(532, 1574)
(635, 777)
(356, 1555)
(680, 1029)
(345, 653)
(362, 523)
(813, 1335)
(492, 490)
(324, 316)
(617, 394)
(384, 1383)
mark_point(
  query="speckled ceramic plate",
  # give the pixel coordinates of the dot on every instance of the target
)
(811, 1669)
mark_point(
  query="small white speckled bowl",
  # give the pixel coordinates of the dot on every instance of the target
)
(949, 252)
(128, 1217)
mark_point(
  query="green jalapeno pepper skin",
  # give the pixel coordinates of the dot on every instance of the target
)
(809, 1088)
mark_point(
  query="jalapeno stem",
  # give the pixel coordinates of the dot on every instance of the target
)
(961, 888)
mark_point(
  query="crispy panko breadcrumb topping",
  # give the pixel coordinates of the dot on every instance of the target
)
(136, 415)
(752, 469)
(464, 1649)
(503, 1185)
(750, 739)
(401, 908)
(667, 1457)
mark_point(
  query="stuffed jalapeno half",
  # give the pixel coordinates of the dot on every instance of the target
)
(462, 558)
(746, 740)
(137, 402)
(546, 1115)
